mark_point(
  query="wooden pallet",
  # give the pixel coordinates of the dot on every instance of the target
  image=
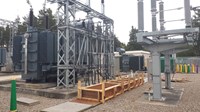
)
(106, 90)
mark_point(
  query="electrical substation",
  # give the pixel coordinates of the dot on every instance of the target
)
(77, 62)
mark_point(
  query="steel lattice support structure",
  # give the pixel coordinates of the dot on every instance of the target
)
(86, 52)
(13, 27)
(13, 31)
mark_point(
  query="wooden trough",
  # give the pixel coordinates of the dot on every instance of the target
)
(106, 90)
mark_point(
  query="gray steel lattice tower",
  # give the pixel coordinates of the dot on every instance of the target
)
(84, 48)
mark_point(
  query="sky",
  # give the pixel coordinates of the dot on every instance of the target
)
(124, 13)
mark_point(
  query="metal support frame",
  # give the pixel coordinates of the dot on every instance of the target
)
(83, 52)
(157, 44)
(13, 31)
(14, 28)
(167, 72)
(156, 75)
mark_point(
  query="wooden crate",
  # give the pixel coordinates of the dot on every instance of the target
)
(106, 90)
(99, 92)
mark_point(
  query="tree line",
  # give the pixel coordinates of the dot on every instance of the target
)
(39, 22)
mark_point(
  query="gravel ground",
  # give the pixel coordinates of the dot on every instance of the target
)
(44, 102)
(190, 101)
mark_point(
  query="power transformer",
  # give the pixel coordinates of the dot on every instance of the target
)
(41, 56)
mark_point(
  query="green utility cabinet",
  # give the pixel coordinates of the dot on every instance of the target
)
(162, 64)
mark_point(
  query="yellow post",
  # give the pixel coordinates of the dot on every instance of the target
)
(193, 71)
(129, 83)
(185, 68)
(143, 78)
(177, 68)
(103, 92)
(180, 66)
(122, 84)
(79, 89)
(101, 79)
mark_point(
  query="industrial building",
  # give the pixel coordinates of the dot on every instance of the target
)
(131, 60)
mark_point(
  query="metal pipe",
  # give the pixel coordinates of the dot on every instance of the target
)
(157, 94)
(26, 35)
(187, 13)
(140, 15)
(167, 72)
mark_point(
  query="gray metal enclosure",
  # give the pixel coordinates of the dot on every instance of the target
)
(41, 56)
(2, 56)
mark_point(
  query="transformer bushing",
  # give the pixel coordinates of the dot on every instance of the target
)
(140, 15)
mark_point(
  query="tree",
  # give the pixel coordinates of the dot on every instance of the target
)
(118, 44)
(194, 50)
(6, 36)
(1, 36)
(39, 22)
(51, 20)
(187, 53)
(132, 44)
(196, 23)
(22, 28)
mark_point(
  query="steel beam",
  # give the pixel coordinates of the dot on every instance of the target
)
(170, 32)
(164, 47)
(85, 8)
(174, 51)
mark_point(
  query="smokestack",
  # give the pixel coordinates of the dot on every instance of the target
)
(140, 15)
(31, 17)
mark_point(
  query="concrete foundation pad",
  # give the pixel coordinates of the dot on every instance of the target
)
(171, 97)
(27, 101)
(68, 107)
(59, 93)
(35, 85)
